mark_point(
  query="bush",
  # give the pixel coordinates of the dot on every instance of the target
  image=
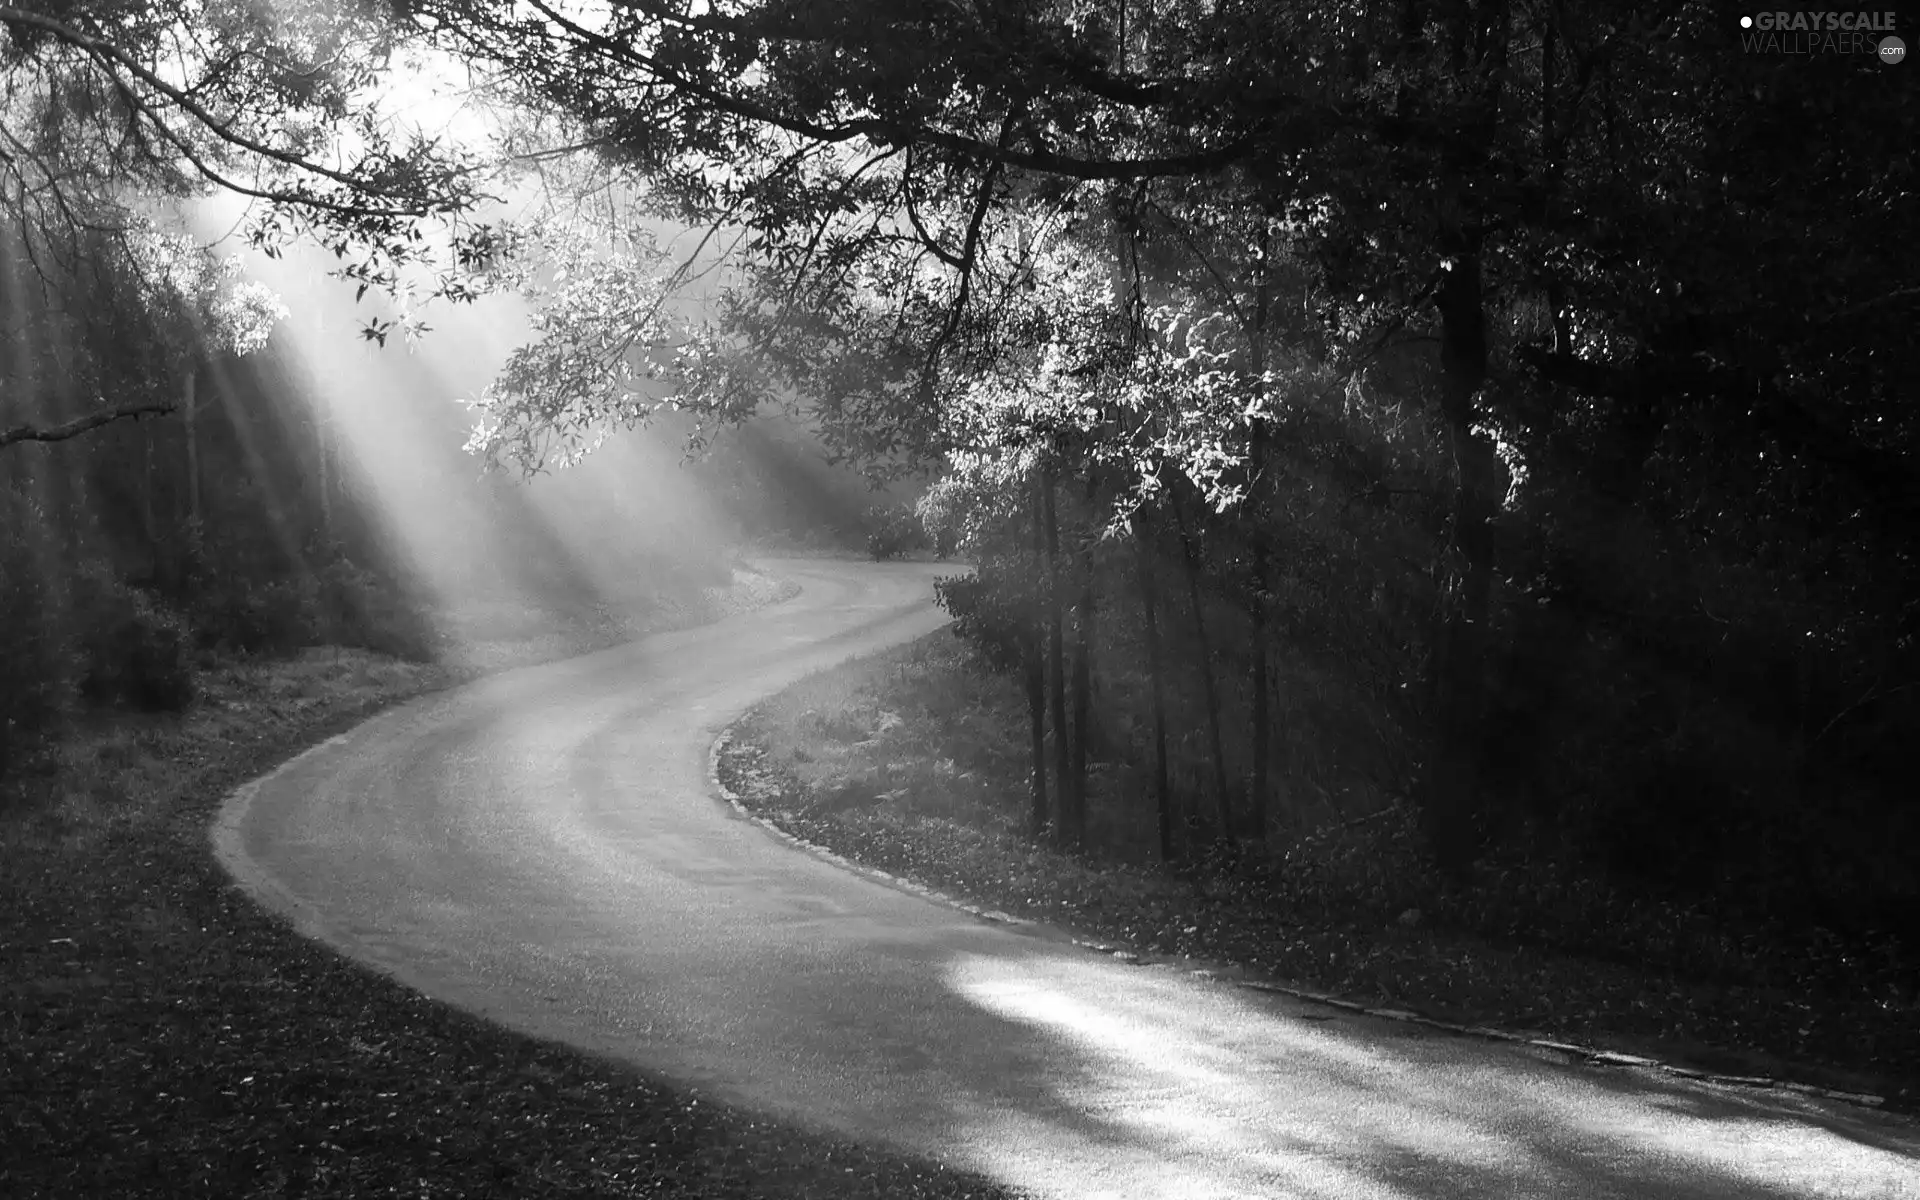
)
(893, 532)
(1371, 867)
(357, 609)
(31, 666)
(275, 618)
(987, 618)
(131, 653)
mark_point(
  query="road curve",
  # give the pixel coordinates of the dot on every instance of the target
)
(544, 847)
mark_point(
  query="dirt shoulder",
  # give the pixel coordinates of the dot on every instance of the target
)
(166, 1037)
(912, 762)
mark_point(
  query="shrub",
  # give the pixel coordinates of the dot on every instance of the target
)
(893, 531)
(131, 653)
(274, 618)
(357, 609)
(31, 665)
(988, 618)
(397, 628)
(1373, 866)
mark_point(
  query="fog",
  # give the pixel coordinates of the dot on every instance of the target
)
(639, 517)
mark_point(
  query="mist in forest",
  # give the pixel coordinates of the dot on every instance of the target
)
(650, 508)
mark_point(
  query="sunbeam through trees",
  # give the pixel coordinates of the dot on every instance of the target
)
(1435, 470)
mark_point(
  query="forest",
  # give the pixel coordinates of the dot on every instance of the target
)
(1479, 421)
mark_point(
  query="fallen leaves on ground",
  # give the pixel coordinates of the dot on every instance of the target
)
(165, 1037)
(1233, 918)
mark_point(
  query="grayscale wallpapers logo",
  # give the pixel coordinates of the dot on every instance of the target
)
(1824, 32)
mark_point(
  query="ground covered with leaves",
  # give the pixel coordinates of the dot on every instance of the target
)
(165, 1037)
(914, 762)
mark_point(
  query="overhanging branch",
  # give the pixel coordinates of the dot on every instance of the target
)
(85, 422)
(113, 60)
(885, 132)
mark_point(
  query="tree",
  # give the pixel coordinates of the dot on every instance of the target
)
(112, 108)
(1561, 252)
(189, 304)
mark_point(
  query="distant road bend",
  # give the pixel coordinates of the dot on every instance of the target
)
(543, 847)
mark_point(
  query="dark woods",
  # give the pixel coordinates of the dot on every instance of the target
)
(1561, 552)
(1460, 457)
(1651, 723)
(209, 523)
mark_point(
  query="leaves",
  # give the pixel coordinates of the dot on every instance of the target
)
(1524, 947)
(610, 347)
(113, 106)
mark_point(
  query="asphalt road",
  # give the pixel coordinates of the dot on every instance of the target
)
(545, 847)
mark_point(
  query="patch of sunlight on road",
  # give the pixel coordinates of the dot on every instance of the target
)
(1202, 1090)
(1171, 1093)
(1779, 1149)
(1032, 1152)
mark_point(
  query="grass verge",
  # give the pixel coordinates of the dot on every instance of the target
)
(165, 1037)
(914, 761)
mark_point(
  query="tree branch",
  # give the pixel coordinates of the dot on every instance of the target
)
(85, 422)
(926, 239)
(1894, 296)
(887, 132)
(971, 248)
(113, 59)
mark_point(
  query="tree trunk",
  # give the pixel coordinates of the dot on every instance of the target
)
(1453, 802)
(1162, 791)
(1036, 671)
(326, 483)
(189, 406)
(1257, 592)
(1223, 806)
(189, 571)
(321, 409)
(149, 525)
(1056, 656)
(1450, 800)
(1549, 144)
(1262, 715)
(1085, 615)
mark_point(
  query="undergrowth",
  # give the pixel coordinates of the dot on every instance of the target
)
(915, 761)
(165, 1037)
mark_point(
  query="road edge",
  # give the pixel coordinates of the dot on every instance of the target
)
(1576, 1052)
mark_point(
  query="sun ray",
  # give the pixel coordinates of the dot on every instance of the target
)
(494, 557)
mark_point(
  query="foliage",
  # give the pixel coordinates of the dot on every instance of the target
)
(1517, 368)
(894, 531)
(608, 350)
(197, 303)
(151, 305)
(30, 662)
(1355, 909)
(109, 104)
(985, 619)
(131, 653)
(358, 609)
(339, 1076)
(274, 618)
(83, 518)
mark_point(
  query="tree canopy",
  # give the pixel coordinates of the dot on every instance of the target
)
(1556, 323)
(1616, 180)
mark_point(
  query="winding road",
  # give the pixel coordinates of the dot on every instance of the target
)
(545, 847)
